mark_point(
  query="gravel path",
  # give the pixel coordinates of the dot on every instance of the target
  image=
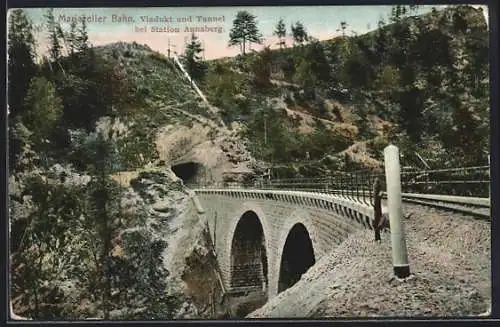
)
(449, 257)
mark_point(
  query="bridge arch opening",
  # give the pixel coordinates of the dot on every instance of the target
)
(249, 255)
(297, 258)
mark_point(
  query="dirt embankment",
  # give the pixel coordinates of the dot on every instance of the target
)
(449, 258)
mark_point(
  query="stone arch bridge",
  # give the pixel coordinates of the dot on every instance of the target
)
(266, 239)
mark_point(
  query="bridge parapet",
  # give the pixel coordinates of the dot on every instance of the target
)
(358, 211)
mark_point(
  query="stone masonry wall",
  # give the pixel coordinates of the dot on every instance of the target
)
(328, 223)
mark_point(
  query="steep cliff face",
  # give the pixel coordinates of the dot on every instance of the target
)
(188, 255)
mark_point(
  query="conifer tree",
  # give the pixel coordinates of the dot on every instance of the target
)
(71, 37)
(82, 38)
(192, 59)
(244, 31)
(280, 32)
(53, 29)
(21, 64)
(45, 108)
(21, 69)
(299, 33)
(343, 27)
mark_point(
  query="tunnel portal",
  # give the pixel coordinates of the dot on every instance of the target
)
(297, 257)
(248, 254)
(189, 172)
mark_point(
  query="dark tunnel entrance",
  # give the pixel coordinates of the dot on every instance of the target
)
(189, 172)
(297, 257)
(248, 254)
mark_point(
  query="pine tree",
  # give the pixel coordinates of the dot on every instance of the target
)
(104, 216)
(381, 41)
(21, 65)
(299, 33)
(44, 109)
(53, 29)
(343, 27)
(262, 69)
(21, 69)
(280, 32)
(82, 38)
(244, 31)
(192, 59)
(318, 61)
(71, 37)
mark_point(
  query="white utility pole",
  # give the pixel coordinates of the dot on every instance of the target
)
(394, 202)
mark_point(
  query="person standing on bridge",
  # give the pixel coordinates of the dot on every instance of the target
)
(377, 208)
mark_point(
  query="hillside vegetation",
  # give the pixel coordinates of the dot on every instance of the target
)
(84, 244)
(421, 82)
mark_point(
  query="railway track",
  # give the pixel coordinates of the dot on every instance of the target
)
(479, 208)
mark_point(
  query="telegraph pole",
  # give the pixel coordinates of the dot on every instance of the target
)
(265, 129)
(171, 47)
(185, 43)
(203, 49)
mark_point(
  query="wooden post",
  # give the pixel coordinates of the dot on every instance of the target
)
(377, 208)
(394, 202)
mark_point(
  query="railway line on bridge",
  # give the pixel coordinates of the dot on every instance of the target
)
(463, 190)
(477, 207)
(260, 228)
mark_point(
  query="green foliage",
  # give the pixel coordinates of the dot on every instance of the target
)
(261, 67)
(299, 33)
(21, 65)
(404, 73)
(19, 141)
(280, 32)
(223, 87)
(45, 109)
(137, 148)
(53, 28)
(312, 68)
(387, 79)
(143, 254)
(191, 59)
(66, 229)
(244, 31)
(426, 76)
(42, 259)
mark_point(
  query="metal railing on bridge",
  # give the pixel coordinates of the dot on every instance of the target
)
(464, 186)
(464, 181)
(356, 186)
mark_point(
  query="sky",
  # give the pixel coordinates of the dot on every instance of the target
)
(108, 25)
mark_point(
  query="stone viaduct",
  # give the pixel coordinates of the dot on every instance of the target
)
(266, 239)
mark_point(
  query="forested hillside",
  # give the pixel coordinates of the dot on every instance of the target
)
(421, 82)
(82, 245)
